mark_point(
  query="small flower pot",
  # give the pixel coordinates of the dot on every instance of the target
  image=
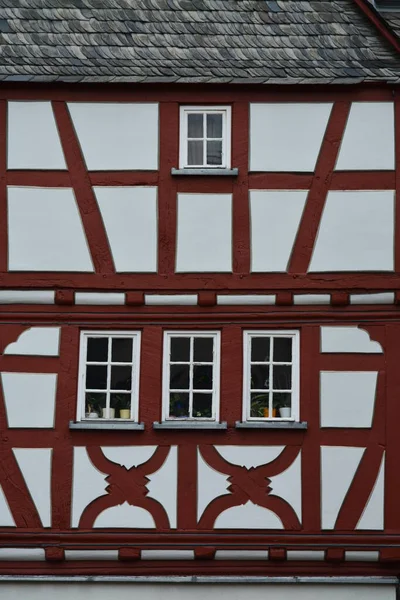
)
(266, 412)
(285, 412)
(124, 413)
(92, 415)
(108, 413)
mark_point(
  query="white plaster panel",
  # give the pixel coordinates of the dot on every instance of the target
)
(381, 298)
(210, 484)
(362, 556)
(100, 590)
(27, 297)
(100, 298)
(125, 516)
(45, 231)
(170, 299)
(130, 219)
(245, 299)
(167, 554)
(275, 218)
(373, 514)
(286, 136)
(356, 232)
(249, 456)
(91, 555)
(241, 555)
(6, 518)
(87, 485)
(29, 399)
(204, 234)
(163, 485)
(128, 456)
(304, 299)
(248, 516)
(117, 136)
(368, 142)
(338, 467)
(287, 485)
(35, 466)
(22, 554)
(305, 555)
(36, 341)
(348, 398)
(348, 339)
(33, 141)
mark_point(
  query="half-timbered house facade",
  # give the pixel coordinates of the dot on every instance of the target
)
(199, 298)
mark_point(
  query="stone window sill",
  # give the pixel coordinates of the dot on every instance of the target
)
(100, 424)
(206, 172)
(189, 425)
(270, 425)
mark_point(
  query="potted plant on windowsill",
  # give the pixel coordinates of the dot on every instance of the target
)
(259, 407)
(93, 408)
(124, 406)
(284, 407)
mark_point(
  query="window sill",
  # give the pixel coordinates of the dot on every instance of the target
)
(106, 425)
(270, 425)
(189, 425)
(206, 172)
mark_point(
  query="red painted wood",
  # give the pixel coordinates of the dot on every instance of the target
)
(3, 188)
(90, 214)
(240, 201)
(396, 187)
(306, 235)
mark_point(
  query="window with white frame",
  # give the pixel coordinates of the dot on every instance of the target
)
(205, 137)
(191, 375)
(271, 375)
(109, 375)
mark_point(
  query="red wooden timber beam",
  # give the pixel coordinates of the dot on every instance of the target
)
(382, 26)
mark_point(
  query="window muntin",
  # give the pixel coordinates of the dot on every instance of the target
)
(109, 375)
(191, 376)
(205, 137)
(271, 375)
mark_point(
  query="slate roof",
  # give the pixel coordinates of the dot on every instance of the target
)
(393, 20)
(190, 41)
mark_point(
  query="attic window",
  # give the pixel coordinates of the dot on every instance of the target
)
(387, 5)
(205, 137)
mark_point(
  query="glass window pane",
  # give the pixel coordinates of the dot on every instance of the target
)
(96, 377)
(180, 349)
(179, 377)
(195, 125)
(214, 126)
(282, 404)
(282, 349)
(282, 378)
(203, 349)
(94, 404)
(97, 349)
(259, 405)
(195, 153)
(179, 404)
(121, 350)
(121, 402)
(214, 153)
(121, 378)
(202, 406)
(260, 349)
(202, 377)
(259, 377)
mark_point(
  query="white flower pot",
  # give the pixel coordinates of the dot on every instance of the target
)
(108, 413)
(92, 415)
(285, 412)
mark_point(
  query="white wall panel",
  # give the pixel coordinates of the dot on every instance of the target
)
(338, 467)
(287, 137)
(36, 341)
(287, 485)
(163, 485)
(88, 484)
(29, 399)
(210, 484)
(373, 515)
(204, 236)
(275, 219)
(125, 516)
(348, 339)
(348, 398)
(6, 518)
(35, 465)
(45, 231)
(356, 232)
(130, 219)
(33, 141)
(248, 516)
(117, 136)
(368, 142)
(173, 591)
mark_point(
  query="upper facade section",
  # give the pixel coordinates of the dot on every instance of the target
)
(210, 41)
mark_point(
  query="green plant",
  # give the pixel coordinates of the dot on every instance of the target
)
(122, 401)
(258, 404)
(94, 404)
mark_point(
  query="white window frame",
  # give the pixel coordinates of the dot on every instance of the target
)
(248, 335)
(226, 136)
(168, 335)
(136, 343)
